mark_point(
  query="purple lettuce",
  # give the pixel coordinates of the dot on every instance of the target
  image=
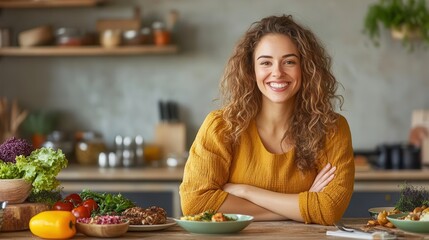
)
(14, 147)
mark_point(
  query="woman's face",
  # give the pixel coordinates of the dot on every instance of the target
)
(277, 68)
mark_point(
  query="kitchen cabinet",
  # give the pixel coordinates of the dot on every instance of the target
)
(76, 50)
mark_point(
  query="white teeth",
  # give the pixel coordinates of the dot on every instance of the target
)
(278, 85)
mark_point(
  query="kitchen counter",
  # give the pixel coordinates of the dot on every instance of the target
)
(94, 173)
(256, 230)
(160, 186)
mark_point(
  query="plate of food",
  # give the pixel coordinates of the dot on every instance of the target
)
(211, 222)
(373, 212)
(411, 222)
(147, 219)
(145, 228)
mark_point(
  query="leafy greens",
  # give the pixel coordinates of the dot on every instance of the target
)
(41, 168)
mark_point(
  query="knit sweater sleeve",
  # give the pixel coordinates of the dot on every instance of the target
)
(328, 206)
(207, 168)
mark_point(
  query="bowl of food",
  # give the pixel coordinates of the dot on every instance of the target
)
(410, 222)
(102, 226)
(14, 190)
(373, 212)
(210, 222)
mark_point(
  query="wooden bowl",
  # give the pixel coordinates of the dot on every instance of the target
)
(103, 230)
(14, 190)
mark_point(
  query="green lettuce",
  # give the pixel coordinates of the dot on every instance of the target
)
(8, 170)
(41, 168)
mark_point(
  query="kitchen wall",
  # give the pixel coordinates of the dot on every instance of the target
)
(118, 95)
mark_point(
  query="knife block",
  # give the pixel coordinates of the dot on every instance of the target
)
(172, 138)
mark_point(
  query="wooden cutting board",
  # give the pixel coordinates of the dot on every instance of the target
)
(17, 216)
(172, 138)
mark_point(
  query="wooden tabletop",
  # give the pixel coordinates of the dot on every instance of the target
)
(256, 230)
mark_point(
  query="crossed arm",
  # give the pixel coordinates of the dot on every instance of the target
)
(268, 205)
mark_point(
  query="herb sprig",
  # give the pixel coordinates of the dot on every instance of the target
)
(412, 197)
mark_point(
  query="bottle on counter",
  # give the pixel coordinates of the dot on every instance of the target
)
(139, 153)
(128, 152)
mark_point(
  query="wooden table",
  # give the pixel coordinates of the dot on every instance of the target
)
(256, 230)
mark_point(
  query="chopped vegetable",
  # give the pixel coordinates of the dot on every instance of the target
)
(107, 203)
(14, 147)
(53, 225)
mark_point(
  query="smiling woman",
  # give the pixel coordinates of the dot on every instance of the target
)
(276, 150)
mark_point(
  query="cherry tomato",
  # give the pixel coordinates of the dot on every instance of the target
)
(81, 212)
(63, 206)
(91, 204)
(74, 198)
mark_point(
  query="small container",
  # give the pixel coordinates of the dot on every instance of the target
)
(146, 36)
(69, 37)
(161, 34)
(111, 38)
(131, 38)
(128, 153)
(103, 160)
(88, 148)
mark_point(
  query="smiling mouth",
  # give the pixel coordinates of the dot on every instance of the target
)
(276, 85)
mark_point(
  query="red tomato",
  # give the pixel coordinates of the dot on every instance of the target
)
(74, 198)
(81, 212)
(91, 204)
(63, 205)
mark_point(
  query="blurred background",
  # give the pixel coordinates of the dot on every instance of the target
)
(121, 94)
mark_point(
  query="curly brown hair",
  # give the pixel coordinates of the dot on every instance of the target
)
(313, 115)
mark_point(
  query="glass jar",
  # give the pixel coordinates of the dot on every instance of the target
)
(89, 145)
(69, 37)
(161, 34)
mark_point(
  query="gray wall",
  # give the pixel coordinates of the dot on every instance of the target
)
(118, 95)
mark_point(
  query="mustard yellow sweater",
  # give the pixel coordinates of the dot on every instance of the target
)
(212, 164)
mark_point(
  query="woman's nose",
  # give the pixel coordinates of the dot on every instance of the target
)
(277, 71)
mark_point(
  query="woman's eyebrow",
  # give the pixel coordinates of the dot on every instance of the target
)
(284, 56)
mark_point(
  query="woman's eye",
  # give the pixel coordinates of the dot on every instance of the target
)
(289, 62)
(265, 63)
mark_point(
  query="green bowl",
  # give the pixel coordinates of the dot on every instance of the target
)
(408, 225)
(217, 227)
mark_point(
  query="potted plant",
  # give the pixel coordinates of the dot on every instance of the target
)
(407, 20)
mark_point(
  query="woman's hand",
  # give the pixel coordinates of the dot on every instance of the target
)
(323, 178)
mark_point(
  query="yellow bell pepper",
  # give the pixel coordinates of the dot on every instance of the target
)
(53, 225)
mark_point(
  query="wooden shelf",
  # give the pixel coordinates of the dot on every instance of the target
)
(88, 51)
(48, 3)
